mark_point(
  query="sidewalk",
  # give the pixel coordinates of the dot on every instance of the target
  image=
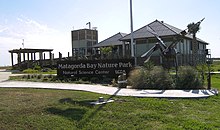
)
(113, 90)
(4, 75)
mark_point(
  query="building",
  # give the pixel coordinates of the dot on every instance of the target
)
(145, 40)
(83, 41)
(119, 48)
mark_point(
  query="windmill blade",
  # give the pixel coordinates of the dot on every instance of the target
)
(174, 43)
(150, 52)
(157, 36)
(198, 23)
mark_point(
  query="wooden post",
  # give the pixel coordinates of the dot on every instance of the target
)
(19, 60)
(31, 56)
(51, 61)
(60, 56)
(34, 56)
(28, 56)
(19, 57)
(44, 56)
(50, 55)
(23, 56)
(12, 60)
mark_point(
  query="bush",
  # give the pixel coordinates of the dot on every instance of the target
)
(94, 79)
(39, 76)
(84, 78)
(45, 78)
(188, 78)
(29, 71)
(161, 79)
(37, 67)
(28, 76)
(149, 65)
(157, 78)
(114, 83)
(136, 78)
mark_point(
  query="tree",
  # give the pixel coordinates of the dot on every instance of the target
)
(105, 51)
(193, 28)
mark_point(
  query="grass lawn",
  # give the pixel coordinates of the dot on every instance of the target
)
(215, 66)
(63, 109)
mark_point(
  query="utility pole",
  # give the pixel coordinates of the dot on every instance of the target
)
(133, 46)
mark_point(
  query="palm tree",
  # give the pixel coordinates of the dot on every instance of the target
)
(193, 28)
(105, 51)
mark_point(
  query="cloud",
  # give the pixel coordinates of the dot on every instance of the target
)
(35, 35)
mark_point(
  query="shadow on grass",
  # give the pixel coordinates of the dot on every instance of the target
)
(73, 102)
(82, 116)
(70, 113)
(86, 120)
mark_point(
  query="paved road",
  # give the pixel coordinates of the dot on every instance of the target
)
(107, 90)
(4, 75)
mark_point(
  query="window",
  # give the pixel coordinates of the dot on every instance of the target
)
(75, 35)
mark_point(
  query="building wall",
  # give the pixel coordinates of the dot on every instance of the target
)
(82, 41)
(184, 48)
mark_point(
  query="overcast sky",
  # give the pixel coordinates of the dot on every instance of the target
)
(48, 23)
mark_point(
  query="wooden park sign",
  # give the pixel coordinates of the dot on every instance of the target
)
(96, 68)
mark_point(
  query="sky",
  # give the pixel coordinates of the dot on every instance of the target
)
(47, 24)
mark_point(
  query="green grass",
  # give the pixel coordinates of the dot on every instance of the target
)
(5, 67)
(215, 82)
(215, 66)
(62, 109)
(33, 71)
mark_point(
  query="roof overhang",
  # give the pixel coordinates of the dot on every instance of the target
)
(28, 50)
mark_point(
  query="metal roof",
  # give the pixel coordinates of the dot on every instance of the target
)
(111, 41)
(161, 28)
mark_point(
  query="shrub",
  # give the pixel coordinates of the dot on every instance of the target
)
(94, 79)
(28, 76)
(136, 78)
(106, 80)
(161, 79)
(45, 78)
(157, 78)
(32, 76)
(188, 78)
(84, 78)
(29, 71)
(39, 76)
(114, 83)
(149, 65)
(24, 76)
(37, 67)
(54, 78)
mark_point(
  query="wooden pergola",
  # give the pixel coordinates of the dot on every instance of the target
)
(30, 53)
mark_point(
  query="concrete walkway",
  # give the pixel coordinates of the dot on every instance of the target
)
(107, 90)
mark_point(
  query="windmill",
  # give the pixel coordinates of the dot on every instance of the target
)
(169, 52)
